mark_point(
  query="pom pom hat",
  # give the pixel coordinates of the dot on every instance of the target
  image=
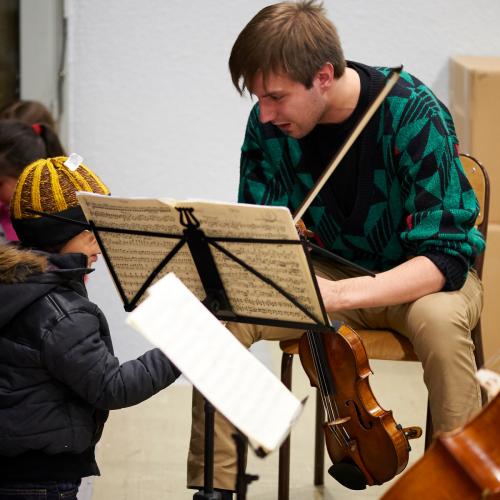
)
(49, 186)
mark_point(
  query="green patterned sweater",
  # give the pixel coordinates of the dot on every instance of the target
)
(413, 197)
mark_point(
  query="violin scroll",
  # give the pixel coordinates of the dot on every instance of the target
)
(303, 231)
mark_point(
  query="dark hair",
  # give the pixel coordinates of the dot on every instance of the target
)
(22, 144)
(29, 112)
(295, 38)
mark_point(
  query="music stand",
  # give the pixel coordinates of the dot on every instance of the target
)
(217, 301)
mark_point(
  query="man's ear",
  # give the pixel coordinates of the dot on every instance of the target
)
(325, 75)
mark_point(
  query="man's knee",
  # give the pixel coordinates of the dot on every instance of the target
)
(246, 333)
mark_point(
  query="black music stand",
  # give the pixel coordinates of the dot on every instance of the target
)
(218, 303)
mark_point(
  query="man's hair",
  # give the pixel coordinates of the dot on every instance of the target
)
(294, 38)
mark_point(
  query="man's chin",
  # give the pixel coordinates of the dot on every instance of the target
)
(296, 134)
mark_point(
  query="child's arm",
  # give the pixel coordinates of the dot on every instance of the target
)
(76, 354)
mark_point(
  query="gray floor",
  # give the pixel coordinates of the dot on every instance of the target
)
(142, 454)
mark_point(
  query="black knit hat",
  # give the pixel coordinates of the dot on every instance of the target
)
(50, 186)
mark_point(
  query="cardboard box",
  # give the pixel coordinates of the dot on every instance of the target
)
(490, 317)
(475, 106)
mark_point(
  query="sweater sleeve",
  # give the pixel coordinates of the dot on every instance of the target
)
(76, 355)
(441, 207)
(454, 270)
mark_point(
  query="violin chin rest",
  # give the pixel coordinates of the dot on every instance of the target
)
(348, 474)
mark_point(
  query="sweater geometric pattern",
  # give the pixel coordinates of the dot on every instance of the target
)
(414, 200)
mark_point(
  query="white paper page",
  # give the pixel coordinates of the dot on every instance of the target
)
(226, 373)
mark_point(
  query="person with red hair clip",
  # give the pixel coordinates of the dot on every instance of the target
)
(20, 145)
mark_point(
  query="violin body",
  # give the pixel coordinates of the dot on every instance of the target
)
(363, 441)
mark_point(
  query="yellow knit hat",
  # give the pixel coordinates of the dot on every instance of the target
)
(49, 186)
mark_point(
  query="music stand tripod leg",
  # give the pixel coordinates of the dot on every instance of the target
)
(208, 492)
(242, 479)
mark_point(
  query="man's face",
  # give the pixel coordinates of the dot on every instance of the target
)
(288, 104)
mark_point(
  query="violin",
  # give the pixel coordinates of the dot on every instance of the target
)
(364, 442)
(461, 464)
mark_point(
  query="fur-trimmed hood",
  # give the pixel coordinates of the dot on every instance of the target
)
(26, 275)
(16, 265)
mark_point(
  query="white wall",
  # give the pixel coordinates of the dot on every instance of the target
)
(152, 109)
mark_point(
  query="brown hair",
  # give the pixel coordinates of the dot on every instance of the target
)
(294, 38)
(22, 144)
(29, 112)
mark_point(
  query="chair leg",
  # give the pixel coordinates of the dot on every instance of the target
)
(429, 427)
(478, 345)
(284, 453)
(319, 442)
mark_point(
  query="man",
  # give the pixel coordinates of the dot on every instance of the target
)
(399, 202)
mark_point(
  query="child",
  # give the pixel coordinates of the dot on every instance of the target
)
(20, 145)
(58, 375)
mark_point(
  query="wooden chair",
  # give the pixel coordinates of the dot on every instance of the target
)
(383, 344)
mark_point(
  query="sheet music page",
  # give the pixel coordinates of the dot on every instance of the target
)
(226, 373)
(134, 257)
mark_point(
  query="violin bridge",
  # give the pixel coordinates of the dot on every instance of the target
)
(339, 421)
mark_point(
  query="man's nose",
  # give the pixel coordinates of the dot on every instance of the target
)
(267, 112)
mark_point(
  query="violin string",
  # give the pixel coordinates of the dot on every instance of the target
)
(338, 428)
(331, 412)
(321, 376)
(322, 382)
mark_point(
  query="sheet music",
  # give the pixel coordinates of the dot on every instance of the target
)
(228, 375)
(135, 257)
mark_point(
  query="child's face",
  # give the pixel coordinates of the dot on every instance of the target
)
(85, 243)
(7, 187)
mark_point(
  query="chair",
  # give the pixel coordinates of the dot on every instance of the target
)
(383, 344)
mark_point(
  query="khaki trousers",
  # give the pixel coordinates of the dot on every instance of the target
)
(439, 327)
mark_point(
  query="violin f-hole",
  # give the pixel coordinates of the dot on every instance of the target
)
(366, 426)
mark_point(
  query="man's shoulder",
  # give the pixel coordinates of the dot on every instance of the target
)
(410, 92)
(407, 88)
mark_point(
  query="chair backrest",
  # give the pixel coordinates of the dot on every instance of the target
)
(478, 179)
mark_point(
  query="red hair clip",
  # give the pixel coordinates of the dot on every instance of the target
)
(37, 128)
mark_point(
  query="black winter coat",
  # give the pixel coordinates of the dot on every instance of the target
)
(58, 374)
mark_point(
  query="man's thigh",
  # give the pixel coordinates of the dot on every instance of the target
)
(441, 314)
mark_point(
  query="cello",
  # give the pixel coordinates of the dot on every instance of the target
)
(364, 442)
(464, 463)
